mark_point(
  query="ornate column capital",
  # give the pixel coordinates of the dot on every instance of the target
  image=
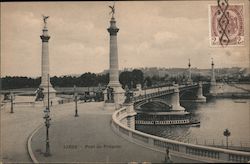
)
(113, 29)
(45, 38)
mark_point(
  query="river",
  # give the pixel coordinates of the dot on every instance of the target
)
(215, 116)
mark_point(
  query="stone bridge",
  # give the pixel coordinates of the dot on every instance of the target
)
(171, 95)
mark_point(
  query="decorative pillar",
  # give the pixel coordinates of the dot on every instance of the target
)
(213, 74)
(200, 97)
(189, 73)
(213, 88)
(131, 115)
(129, 104)
(175, 100)
(45, 81)
(118, 92)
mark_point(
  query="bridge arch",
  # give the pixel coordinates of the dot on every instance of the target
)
(188, 94)
(153, 100)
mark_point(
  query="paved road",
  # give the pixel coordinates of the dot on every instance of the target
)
(89, 138)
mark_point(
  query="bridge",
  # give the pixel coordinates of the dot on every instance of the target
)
(123, 123)
(170, 95)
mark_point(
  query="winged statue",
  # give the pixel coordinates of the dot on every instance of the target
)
(45, 19)
(112, 10)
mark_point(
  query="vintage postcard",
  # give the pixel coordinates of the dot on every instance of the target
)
(125, 82)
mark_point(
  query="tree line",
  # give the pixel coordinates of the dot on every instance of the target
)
(129, 78)
(85, 80)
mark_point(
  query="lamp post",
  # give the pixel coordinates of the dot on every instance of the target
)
(11, 102)
(226, 133)
(75, 94)
(47, 124)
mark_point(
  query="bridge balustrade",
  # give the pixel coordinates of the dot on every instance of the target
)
(163, 144)
(238, 158)
(202, 152)
(196, 152)
(124, 131)
(140, 137)
(152, 95)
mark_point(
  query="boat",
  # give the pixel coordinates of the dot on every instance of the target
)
(162, 115)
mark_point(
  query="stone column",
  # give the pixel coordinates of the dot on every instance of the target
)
(45, 81)
(200, 97)
(175, 100)
(113, 54)
(114, 68)
(213, 88)
(213, 74)
(189, 73)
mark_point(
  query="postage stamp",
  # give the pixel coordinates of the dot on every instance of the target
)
(226, 25)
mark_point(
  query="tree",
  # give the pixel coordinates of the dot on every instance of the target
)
(147, 82)
(125, 78)
(137, 76)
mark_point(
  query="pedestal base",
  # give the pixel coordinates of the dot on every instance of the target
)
(201, 99)
(178, 108)
(110, 107)
(52, 91)
(119, 97)
(213, 90)
(52, 95)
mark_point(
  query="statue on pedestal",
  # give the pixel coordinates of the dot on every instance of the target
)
(39, 94)
(110, 95)
(45, 20)
(112, 10)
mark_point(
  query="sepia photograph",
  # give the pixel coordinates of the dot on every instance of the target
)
(125, 82)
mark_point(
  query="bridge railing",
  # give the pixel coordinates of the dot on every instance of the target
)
(155, 92)
(195, 152)
(152, 95)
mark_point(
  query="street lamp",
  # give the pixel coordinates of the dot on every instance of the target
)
(47, 124)
(227, 133)
(75, 94)
(11, 102)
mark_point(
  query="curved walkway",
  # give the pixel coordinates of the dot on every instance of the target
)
(89, 138)
(15, 128)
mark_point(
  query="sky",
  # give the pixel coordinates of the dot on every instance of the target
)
(152, 34)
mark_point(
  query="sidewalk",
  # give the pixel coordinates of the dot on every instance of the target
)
(15, 130)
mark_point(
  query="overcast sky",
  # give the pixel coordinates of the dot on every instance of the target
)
(152, 34)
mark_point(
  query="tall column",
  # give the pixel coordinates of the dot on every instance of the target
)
(189, 73)
(213, 74)
(213, 89)
(175, 100)
(45, 81)
(118, 92)
(113, 55)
